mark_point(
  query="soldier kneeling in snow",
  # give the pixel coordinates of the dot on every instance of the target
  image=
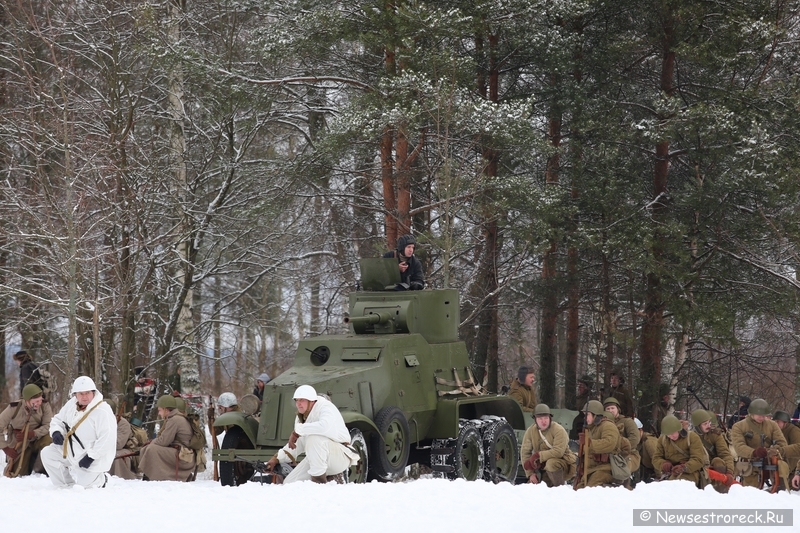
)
(168, 456)
(320, 433)
(84, 439)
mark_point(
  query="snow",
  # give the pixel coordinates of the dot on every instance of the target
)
(410, 507)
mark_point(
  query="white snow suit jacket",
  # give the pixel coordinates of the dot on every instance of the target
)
(324, 420)
(96, 436)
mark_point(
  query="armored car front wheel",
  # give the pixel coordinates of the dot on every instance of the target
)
(390, 449)
(358, 473)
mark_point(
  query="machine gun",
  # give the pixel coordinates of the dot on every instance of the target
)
(262, 474)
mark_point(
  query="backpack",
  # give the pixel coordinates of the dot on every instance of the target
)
(137, 439)
(198, 440)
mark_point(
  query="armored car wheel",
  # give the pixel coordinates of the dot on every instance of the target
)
(237, 472)
(461, 457)
(389, 449)
(502, 453)
(358, 473)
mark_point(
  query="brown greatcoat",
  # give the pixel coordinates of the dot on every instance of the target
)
(556, 456)
(604, 439)
(121, 467)
(13, 419)
(159, 459)
(525, 396)
(686, 450)
(627, 428)
(792, 450)
(719, 453)
(746, 436)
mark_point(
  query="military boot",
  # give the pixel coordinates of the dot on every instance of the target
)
(338, 478)
(319, 479)
(556, 478)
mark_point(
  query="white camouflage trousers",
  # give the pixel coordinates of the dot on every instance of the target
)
(63, 474)
(323, 458)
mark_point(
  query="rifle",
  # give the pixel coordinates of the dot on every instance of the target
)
(767, 470)
(214, 441)
(10, 471)
(583, 457)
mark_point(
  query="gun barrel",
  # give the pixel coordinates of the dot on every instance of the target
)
(372, 318)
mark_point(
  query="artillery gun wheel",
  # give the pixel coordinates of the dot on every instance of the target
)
(461, 457)
(391, 447)
(502, 453)
(234, 473)
(358, 473)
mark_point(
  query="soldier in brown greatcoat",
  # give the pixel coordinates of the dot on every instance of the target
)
(521, 389)
(24, 431)
(168, 457)
(603, 439)
(121, 467)
(755, 439)
(791, 453)
(618, 391)
(545, 450)
(719, 454)
(680, 453)
(627, 428)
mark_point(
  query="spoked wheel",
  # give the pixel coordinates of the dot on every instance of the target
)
(390, 449)
(461, 457)
(358, 473)
(502, 454)
(234, 473)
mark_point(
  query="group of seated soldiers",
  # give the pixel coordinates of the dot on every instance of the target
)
(760, 449)
(174, 453)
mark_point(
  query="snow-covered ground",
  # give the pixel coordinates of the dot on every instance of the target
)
(408, 507)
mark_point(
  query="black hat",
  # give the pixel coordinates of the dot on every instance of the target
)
(523, 372)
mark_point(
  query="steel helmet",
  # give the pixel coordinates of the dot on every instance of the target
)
(782, 415)
(758, 407)
(610, 401)
(541, 410)
(227, 399)
(305, 392)
(595, 407)
(670, 425)
(30, 391)
(166, 401)
(699, 416)
(83, 384)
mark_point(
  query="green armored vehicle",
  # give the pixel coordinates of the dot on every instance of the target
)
(403, 383)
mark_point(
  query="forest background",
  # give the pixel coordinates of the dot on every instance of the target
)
(191, 184)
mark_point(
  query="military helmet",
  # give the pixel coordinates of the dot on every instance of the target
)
(670, 424)
(112, 403)
(782, 415)
(180, 404)
(305, 392)
(610, 401)
(541, 409)
(83, 384)
(758, 407)
(699, 416)
(30, 391)
(166, 401)
(227, 399)
(595, 407)
(587, 380)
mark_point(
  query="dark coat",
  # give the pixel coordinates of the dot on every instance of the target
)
(29, 373)
(412, 278)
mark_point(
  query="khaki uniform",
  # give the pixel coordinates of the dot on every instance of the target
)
(160, 460)
(121, 467)
(604, 439)
(746, 436)
(525, 396)
(791, 453)
(686, 450)
(13, 419)
(552, 444)
(647, 450)
(627, 428)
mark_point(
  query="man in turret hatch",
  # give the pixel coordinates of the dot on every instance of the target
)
(411, 277)
(320, 434)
